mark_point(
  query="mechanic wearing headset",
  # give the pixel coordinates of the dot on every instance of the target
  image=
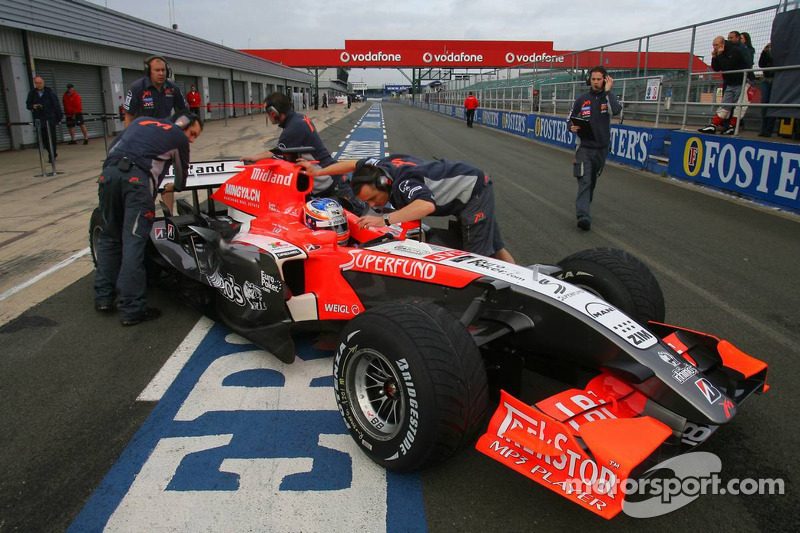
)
(153, 95)
(419, 188)
(127, 189)
(298, 130)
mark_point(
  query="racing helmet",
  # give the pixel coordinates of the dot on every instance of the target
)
(327, 214)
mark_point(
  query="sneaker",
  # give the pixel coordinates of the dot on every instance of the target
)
(151, 313)
(104, 307)
(86, 141)
(585, 224)
(708, 129)
(72, 142)
(729, 131)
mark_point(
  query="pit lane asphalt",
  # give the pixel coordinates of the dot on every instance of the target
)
(70, 377)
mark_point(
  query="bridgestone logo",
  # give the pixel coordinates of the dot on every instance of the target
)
(370, 56)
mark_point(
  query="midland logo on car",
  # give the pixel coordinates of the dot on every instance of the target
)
(241, 441)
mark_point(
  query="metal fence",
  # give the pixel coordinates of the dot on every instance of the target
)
(685, 96)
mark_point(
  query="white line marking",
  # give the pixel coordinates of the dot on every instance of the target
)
(166, 376)
(71, 259)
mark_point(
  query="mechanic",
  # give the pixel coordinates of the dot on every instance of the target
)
(595, 106)
(298, 130)
(153, 95)
(127, 189)
(419, 188)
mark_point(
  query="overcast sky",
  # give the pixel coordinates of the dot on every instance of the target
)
(571, 25)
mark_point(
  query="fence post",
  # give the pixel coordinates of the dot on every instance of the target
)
(658, 101)
(52, 149)
(105, 132)
(688, 79)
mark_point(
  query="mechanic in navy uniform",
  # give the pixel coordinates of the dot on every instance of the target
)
(597, 106)
(298, 130)
(419, 188)
(127, 189)
(153, 95)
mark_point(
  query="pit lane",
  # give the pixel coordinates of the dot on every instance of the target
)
(72, 377)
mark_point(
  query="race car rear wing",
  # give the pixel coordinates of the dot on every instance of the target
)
(204, 174)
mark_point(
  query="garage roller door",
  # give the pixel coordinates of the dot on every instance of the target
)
(5, 136)
(216, 95)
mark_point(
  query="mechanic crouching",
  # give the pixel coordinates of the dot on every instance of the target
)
(127, 189)
(419, 188)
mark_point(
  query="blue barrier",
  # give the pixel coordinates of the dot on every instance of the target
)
(763, 171)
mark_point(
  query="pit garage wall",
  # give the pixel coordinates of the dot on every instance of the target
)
(766, 172)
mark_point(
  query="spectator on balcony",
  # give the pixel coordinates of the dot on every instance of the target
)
(727, 56)
(765, 61)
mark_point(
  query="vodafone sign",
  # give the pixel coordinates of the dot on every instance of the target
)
(405, 53)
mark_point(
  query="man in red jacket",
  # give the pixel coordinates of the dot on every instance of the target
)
(193, 100)
(470, 105)
(73, 110)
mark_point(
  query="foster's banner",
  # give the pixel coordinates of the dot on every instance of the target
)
(764, 171)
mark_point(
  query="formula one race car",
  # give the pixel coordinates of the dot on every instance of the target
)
(432, 338)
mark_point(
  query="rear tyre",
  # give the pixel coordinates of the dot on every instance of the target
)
(617, 277)
(410, 384)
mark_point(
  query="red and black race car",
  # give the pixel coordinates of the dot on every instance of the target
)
(431, 338)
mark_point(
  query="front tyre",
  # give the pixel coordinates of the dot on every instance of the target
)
(410, 384)
(619, 278)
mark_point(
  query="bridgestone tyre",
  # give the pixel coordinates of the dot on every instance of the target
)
(617, 277)
(410, 384)
(95, 227)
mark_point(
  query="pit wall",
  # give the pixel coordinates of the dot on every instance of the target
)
(766, 172)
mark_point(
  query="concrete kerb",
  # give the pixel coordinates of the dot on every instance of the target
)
(44, 220)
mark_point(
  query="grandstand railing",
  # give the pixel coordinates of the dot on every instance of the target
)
(686, 96)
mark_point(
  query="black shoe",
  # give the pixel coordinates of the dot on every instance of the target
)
(708, 129)
(151, 313)
(104, 307)
(72, 142)
(86, 141)
(730, 131)
(585, 224)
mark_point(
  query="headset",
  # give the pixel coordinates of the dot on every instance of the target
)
(596, 69)
(153, 58)
(184, 119)
(276, 104)
(369, 175)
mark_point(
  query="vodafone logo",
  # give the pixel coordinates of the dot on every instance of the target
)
(369, 57)
(452, 57)
(511, 57)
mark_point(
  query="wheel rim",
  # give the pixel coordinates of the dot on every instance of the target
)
(376, 392)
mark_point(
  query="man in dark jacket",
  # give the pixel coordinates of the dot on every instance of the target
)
(298, 130)
(43, 102)
(590, 120)
(127, 190)
(727, 56)
(765, 61)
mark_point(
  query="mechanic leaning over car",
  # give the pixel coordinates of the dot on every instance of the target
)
(299, 130)
(419, 188)
(135, 167)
